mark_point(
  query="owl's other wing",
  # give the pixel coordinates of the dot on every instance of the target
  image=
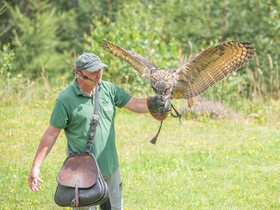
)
(138, 62)
(211, 66)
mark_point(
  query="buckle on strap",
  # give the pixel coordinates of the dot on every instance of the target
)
(94, 119)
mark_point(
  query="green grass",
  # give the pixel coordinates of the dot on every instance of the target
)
(200, 165)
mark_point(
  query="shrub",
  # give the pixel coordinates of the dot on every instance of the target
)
(6, 58)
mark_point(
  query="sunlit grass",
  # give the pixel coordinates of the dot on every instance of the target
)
(202, 164)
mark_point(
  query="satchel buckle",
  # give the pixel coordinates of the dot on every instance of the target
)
(73, 203)
(94, 119)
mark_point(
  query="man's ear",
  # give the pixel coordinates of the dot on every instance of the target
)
(79, 74)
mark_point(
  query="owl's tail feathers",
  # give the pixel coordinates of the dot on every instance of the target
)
(191, 102)
(154, 140)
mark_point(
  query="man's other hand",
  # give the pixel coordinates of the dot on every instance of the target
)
(34, 179)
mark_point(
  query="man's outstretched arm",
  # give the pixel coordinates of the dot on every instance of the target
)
(138, 105)
(44, 148)
(158, 109)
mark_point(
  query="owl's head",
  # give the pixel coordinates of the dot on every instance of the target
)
(163, 89)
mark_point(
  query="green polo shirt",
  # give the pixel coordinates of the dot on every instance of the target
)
(72, 112)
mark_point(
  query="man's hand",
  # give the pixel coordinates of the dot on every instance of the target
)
(159, 109)
(34, 179)
(44, 147)
(156, 105)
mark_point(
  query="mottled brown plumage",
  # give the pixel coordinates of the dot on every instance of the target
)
(195, 76)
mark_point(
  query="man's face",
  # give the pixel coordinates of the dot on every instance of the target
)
(95, 76)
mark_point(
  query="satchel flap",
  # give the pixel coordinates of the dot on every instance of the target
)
(78, 168)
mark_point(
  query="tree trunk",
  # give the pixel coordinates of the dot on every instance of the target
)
(25, 7)
(224, 22)
(110, 8)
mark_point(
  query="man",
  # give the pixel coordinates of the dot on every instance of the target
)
(73, 111)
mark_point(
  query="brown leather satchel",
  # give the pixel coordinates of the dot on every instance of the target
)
(80, 182)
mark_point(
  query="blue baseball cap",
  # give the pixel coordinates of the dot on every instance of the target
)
(89, 62)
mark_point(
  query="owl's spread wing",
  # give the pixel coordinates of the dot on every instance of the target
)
(138, 62)
(211, 66)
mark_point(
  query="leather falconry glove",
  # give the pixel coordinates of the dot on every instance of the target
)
(158, 109)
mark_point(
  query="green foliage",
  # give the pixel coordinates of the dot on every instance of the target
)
(263, 30)
(206, 23)
(46, 36)
(144, 37)
(6, 58)
(35, 41)
(9, 83)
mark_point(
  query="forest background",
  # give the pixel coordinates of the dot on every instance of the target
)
(40, 40)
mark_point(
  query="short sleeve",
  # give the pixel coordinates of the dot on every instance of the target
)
(121, 97)
(59, 117)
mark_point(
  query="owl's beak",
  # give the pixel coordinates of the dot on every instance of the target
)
(166, 97)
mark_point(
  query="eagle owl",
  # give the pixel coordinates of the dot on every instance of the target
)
(195, 76)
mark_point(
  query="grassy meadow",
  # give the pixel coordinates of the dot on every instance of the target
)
(202, 164)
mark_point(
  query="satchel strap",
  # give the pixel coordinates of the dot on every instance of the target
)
(94, 121)
(75, 201)
(76, 193)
